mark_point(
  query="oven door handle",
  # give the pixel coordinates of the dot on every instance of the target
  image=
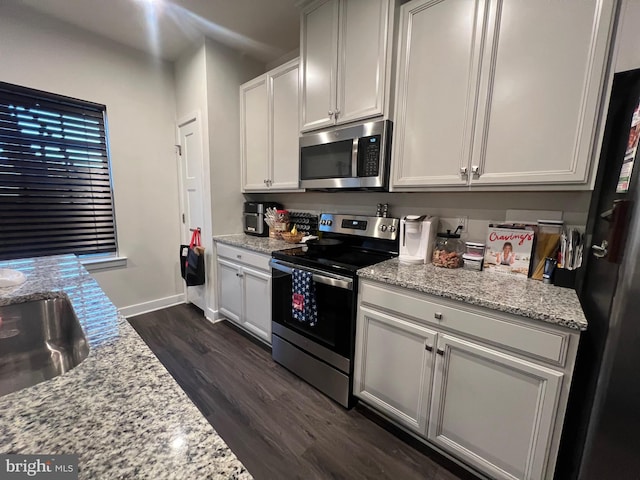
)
(318, 276)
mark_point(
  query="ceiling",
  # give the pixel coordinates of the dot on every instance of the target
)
(263, 29)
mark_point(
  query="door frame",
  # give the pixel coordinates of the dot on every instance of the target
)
(206, 234)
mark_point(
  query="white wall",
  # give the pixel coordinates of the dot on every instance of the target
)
(628, 37)
(139, 94)
(207, 80)
(226, 71)
(479, 207)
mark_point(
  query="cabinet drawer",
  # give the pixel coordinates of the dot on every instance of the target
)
(242, 255)
(530, 339)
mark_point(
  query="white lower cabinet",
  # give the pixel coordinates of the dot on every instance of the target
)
(478, 386)
(244, 290)
(230, 290)
(491, 410)
(256, 302)
(394, 373)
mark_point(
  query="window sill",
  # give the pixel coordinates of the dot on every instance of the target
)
(97, 264)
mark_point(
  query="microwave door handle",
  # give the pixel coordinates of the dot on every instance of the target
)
(354, 158)
(345, 284)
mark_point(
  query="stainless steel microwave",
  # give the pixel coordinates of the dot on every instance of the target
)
(354, 157)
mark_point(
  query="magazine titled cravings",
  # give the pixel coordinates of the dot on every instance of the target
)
(509, 250)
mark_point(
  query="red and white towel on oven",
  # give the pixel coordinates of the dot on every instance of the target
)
(303, 297)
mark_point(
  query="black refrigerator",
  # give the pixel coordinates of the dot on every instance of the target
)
(601, 437)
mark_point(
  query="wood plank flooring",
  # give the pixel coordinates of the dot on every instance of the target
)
(277, 425)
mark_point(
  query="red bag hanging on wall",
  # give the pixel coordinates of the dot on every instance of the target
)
(192, 261)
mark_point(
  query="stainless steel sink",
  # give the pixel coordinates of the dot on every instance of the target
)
(39, 340)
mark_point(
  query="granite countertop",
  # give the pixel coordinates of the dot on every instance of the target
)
(502, 292)
(119, 410)
(257, 244)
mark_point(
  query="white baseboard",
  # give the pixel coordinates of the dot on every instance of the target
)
(213, 316)
(152, 305)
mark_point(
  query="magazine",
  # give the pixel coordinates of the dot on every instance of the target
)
(509, 250)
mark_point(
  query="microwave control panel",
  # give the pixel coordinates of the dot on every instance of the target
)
(369, 156)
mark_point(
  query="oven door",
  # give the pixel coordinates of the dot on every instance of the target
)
(331, 336)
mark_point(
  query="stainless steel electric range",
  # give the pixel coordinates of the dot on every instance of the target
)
(321, 351)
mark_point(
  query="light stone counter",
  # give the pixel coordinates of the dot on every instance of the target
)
(119, 410)
(264, 245)
(502, 292)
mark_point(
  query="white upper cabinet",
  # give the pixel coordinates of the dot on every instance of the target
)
(345, 61)
(499, 93)
(435, 92)
(254, 137)
(269, 132)
(542, 78)
(283, 85)
(319, 64)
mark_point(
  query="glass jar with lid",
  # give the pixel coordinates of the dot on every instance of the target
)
(448, 250)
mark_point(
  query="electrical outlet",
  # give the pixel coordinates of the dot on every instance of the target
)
(464, 221)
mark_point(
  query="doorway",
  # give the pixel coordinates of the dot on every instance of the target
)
(191, 174)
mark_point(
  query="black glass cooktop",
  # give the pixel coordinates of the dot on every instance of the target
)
(340, 259)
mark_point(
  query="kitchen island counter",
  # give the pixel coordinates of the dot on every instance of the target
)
(119, 410)
(502, 292)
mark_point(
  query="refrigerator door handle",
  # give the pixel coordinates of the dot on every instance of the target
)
(600, 251)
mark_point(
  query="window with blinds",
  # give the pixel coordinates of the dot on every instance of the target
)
(55, 185)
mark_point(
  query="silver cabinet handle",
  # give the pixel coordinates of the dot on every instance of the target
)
(428, 347)
(336, 113)
(330, 113)
(440, 351)
(438, 316)
(600, 251)
(475, 170)
(238, 256)
(239, 275)
(463, 171)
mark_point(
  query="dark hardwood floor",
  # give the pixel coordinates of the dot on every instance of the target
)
(277, 425)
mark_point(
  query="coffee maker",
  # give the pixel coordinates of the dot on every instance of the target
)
(417, 235)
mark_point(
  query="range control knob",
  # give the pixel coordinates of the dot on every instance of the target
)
(383, 228)
(392, 228)
(329, 222)
(323, 222)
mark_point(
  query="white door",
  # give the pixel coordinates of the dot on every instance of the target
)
(257, 303)
(285, 163)
(493, 411)
(436, 83)
(362, 59)
(191, 173)
(319, 64)
(230, 290)
(393, 367)
(254, 134)
(542, 76)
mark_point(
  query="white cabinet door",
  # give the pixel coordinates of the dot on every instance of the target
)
(230, 290)
(362, 59)
(285, 164)
(493, 411)
(393, 367)
(256, 294)
(254, 136)
(436, 82)
(542, 76)
(318, 67)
